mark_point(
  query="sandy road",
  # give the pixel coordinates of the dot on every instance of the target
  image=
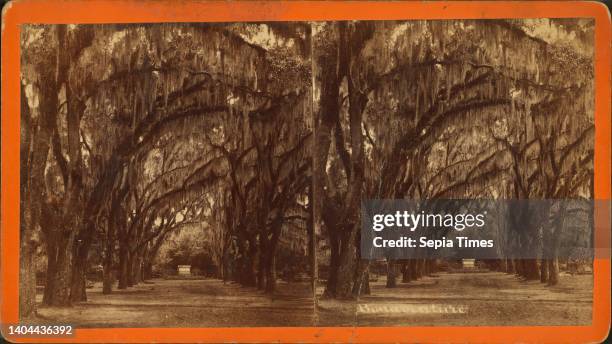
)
(473, 299)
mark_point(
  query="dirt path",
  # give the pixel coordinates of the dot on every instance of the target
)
(188, 303)
(472, 299)
(449, 299)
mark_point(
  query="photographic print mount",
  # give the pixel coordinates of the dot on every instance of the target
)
(261, 13)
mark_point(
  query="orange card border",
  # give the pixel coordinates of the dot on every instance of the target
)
(125, 11)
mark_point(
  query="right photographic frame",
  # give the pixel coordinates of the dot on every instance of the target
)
(481, 110)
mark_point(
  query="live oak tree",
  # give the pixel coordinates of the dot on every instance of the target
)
(53, 178)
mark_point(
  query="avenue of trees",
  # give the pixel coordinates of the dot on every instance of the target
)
(449, 109)
(270, 134)
(130, 132)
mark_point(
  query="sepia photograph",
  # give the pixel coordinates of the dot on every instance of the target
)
(186, 175)
(166, 174)
(454, 109)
